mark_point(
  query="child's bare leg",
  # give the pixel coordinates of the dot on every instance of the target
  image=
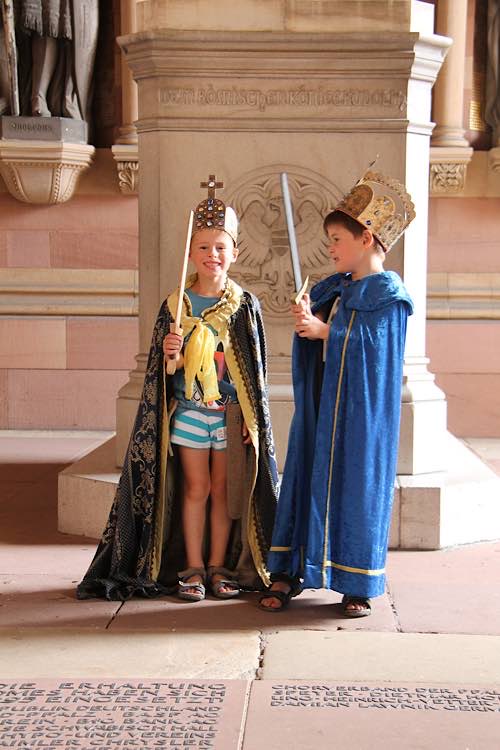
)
(220, 522)
(196, 474)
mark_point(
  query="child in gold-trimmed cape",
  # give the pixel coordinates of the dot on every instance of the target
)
(195, 504)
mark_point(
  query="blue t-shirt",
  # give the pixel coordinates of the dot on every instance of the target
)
(226, 388)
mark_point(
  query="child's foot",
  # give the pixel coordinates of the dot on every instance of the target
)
(356, 606)
(191, 585)
(268, 601)
(221, 583)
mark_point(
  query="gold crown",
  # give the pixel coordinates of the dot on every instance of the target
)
(380, 204)
(212, 213)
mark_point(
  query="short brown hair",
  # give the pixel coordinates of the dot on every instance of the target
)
(346, 221)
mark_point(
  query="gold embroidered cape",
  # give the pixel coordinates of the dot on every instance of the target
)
(142, 547)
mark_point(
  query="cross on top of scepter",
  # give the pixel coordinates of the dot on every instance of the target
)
(212, 185)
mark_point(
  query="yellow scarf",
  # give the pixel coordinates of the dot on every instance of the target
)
(200, 349)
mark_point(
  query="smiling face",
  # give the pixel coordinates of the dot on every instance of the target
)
(212, 252)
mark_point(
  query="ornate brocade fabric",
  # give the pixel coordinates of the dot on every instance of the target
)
(142, 548)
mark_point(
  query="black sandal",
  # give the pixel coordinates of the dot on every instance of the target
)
(283, 596)
(365, 610)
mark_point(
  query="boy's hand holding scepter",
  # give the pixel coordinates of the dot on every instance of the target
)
(172, 343)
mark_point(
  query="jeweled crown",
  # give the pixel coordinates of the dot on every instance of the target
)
(382, 205)
(212, 213)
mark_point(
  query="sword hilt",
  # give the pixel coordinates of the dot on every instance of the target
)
(298, 296)
(173, 359)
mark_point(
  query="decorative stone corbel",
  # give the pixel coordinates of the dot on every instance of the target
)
(126, 157)
(450, 151)
(43, 171)
(448, 168)
(125, 150)
(494, 159)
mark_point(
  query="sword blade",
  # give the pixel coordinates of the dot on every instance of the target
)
(292, 240)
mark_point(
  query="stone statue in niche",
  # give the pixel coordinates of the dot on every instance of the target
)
(492, 109)
(264, 260)
(56, 43)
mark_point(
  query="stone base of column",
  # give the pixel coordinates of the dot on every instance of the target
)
(126, 407)
(431, 511)
(423, 420)
(442, 509)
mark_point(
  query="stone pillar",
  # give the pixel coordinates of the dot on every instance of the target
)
(450, 152)
(125, 149)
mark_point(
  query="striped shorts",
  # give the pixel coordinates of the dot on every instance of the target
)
(194, 429)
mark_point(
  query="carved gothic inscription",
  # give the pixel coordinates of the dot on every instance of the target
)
(386, 697)
(264, 265)
(118, 713)
(262, 99)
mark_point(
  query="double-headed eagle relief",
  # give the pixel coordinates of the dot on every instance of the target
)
(264, 264)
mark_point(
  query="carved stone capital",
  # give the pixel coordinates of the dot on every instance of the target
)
(494, 159)
(126, 157)
(448, 169)
(43, 172)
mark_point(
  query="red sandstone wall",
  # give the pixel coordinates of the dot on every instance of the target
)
(64, 371)
(464, 237)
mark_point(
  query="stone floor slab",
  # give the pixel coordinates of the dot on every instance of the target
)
(47, 601)
(447, 591)
(33, 653)
(382, 656)
(312, 610)
(368, 716)
(122, 714)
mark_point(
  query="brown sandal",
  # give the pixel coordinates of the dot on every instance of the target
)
(227, 581)
(184, 585)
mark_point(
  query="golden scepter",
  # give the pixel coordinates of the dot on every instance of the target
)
(175, 327)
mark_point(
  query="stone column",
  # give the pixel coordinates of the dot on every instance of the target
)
(125, 149)
(450, 152)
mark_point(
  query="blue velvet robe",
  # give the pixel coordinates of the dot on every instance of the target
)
(335, 501)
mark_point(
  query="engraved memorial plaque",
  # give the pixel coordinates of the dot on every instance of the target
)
(114, 713)
(321, 715)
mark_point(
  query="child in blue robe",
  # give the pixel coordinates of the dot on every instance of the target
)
(332, 524)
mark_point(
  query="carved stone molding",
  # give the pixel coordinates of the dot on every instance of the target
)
(43, 172)
(448, 169)
(69, 291)
(126, 157)
(463, 296)
(264, 264)
(494, 159)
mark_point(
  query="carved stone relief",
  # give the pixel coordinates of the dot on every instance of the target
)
(264, 264)
(447, 178)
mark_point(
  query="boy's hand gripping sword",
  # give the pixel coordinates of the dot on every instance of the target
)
(300, 288)
(176, 326)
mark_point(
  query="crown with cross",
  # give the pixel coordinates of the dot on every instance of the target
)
(212, 213)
